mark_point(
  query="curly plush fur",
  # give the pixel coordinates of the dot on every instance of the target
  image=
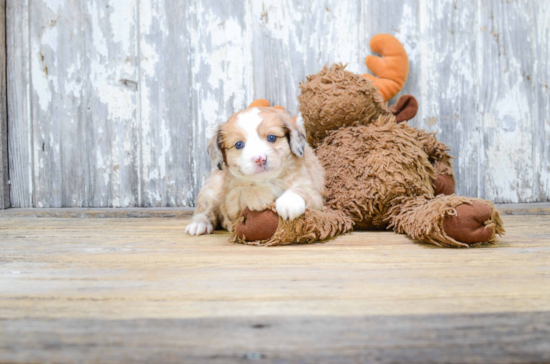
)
(368, 166)
(379, 173)
(313, 226)
(335, 98)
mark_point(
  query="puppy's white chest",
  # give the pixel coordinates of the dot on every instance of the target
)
(256, 197)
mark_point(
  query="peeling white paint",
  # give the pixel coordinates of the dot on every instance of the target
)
(44, 83)
(225, 56)
(509, 154)
(469, 69)
(119, 101)
(122, 13)
(211, 116)
(97, 14)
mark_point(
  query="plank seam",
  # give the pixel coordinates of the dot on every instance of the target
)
(29, 109)
(537, 124)
(5, 202)
(138, 104)
(481, 127)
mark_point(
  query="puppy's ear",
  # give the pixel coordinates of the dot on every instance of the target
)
(296, 135)
(215, 149)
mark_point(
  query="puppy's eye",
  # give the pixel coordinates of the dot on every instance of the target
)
(239, 145)
(271, 138)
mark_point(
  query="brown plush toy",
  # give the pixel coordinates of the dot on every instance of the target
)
(380, 171)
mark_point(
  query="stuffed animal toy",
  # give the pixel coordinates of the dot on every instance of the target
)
(381, 173)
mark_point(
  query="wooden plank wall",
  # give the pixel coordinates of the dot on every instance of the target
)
(4, 176)
(112, 103)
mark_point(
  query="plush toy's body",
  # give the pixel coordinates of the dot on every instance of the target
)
(380, 172)
(381, 175)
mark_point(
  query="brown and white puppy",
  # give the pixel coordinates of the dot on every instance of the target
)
(262, 157)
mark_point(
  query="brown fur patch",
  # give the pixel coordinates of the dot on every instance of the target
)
(334, 98)
(367, 166)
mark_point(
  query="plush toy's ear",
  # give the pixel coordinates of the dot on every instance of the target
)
(390, 71)
(215, 149)
(405, 108)
(260, 103)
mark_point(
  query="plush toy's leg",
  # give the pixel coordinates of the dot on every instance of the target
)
(267, 228)
(445, 182)
(441, 160)
(449, 221)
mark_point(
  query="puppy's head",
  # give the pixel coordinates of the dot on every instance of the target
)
(257, 143)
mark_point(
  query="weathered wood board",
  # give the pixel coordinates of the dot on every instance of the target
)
(140, 290)
(4, 176)
(112, 103)
(497, 338)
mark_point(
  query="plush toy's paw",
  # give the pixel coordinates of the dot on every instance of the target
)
(405, 108)
(199, 226)
(468, 226)
(257, 225)
(444, 185)
(290, 205)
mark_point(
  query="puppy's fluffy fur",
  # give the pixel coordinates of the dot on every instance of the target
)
(273, 164)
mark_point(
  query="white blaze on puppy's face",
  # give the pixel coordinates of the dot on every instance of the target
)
(254, 156)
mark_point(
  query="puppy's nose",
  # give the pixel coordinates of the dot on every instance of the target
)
(260, 160)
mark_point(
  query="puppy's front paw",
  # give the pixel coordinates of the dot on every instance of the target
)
(290, 205)
(199, 228)
(200, 225)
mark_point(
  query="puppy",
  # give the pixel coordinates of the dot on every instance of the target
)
(262, 158)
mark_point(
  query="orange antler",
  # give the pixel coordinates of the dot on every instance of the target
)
(260, 103)
(264, 103)
(390, 71)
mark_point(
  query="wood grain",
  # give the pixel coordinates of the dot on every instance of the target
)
(20, 121)
(136, 268)
(541, 39)
(166, 118)
(119, 290)
(293, 39)
(4, 175)
(455, 338)
(148, 212)
(84, 94)
(507, 101)
(448, 85)
(113, 103)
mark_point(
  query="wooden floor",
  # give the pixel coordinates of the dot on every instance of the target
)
(120, 290)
